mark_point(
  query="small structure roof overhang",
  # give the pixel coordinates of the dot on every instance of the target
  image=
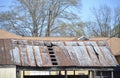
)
(56, 54)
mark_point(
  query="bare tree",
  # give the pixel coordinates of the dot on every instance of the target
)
(39, 17)
(101, 26)
(116, 28)
(70, 30)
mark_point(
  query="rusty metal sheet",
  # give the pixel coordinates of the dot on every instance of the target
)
(72, 55)
(16, 56)
(93, 56)
(71, 43)
(57, 43)
(81, 43)
(67, 53)
(102, 43)
(100, 56)
(31, 55)
(110, 58)
(61, 55)
(38, 43)
(8, 47)
(23, 53)
(46, 43)
(85, 55)
(22, 42)
(90, 43)
(38, 55)
(45, 56)
(98, 52)
(2, 52)
(79, 56)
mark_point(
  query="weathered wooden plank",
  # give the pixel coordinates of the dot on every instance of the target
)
(16, 56)
(2, 52)
(71, 43)
(23, 53)
(38, 55)
(93, 56)
(45, 56)
(31, 55)
(109, 57)
(8, 47)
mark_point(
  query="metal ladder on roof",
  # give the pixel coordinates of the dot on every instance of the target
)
(52, 55)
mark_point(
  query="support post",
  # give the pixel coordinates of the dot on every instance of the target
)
(94, 74)
(112, 74)
(74, 73)
(100, 74)
(49, 72)
(59, 74)
(23, 73)
(88, 73)
(66, 74)
(17, 74)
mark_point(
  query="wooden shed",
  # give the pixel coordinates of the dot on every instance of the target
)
(56, 57)
(41, 58)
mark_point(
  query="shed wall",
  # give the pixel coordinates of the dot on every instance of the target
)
(7, 72)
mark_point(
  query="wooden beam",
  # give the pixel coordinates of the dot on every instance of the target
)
(49, 72)
(88, 73)
(59, 74)
(74, 72)
(66, 74)
(23, 73)
(18, 74)
(94, 74)
(112, 74)
(100, 74)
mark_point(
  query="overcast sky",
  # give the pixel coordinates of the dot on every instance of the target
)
(85, 10)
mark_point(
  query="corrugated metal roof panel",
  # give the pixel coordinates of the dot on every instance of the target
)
(93, 56)
(2, 53)
(52, 53)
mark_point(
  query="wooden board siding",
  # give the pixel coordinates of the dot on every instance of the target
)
(8, 72)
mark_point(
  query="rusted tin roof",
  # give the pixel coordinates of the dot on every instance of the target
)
(55, 53)
(113, 43)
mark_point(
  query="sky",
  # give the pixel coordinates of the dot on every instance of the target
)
(89, 4)
(85, 9)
